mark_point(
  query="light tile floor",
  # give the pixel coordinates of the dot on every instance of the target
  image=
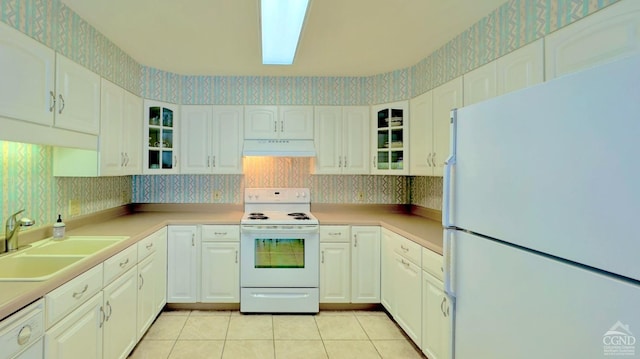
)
(227, 334)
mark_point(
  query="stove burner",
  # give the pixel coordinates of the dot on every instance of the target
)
(297, 214)
(256, 214)
(301, 217)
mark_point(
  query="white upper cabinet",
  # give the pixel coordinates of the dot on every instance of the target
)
(521, 68)
(445, 98)
(390, 142)
(30, 64)
(278, 122)
(421, 135)
(609, 34)
(211, 139)
(120, 131)
(480, 84)
(341, 136)
(77, 97)
(161, 135)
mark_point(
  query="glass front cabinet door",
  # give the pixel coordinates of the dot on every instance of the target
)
(161, 126)
(390, 142)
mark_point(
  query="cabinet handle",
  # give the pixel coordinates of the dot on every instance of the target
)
(442, 306)
(236, 256)
(335, 233)
(345, 161)
(339, 161)
(404, 248)
(109, 312)
(24, 335)
(61, 102)
(213, 162)
(193, 239)
(102, 317)
(141, 281)
(433, 159)
(121, 159)
(126, 156)
(374, 161)
(124, 264)
(355, 240)
(322, 260)
(52, 101)
(281, 126)
(208, 161)
(78, 295)
(149, 246)
(404, 262)
(219, 233)
(175, 161)
(275, 126)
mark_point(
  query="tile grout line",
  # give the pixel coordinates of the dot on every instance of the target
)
(368, 337)
(175, 341)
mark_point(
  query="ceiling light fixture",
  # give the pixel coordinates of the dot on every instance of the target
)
(281, 22)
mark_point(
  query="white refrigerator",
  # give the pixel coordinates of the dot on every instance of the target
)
(542, 220)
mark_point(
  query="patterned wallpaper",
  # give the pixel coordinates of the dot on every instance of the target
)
(26, 169)
(26, 172)
(270, 172)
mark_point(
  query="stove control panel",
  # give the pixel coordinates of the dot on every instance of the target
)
(277, 195)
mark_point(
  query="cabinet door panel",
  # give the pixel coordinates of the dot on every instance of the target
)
(421, 135)
(355, 141)
(480, 84)
(436, 328)
(111, 109)
(408, 296)
(335, 283)
(328, 139)
(521, 68)
(182, 279)
(78, 335)
(607, 35)
(296, 122)
(119, 331)
(227, 139)
(132, 133)
(196, 128)
(78, 97)
(261, 122)
(445, 98)
(365, 264)
(26, 62)
(146, 292)
(220, 273)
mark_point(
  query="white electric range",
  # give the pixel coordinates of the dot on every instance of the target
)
(279, 249)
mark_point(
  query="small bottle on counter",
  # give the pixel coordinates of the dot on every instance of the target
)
(59, 228)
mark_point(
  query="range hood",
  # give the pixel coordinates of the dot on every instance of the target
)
(279, 148)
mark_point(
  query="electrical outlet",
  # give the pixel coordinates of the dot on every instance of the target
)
(360, 196)
(74, 207)
(217, 195)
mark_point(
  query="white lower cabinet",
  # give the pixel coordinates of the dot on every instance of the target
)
(387, 296)
(365, 264)
(183, 247)
(335, 279)
(120, 302)
(436, 319)
(220, 276)
(408, 297)
(152, 279)
(79, 334)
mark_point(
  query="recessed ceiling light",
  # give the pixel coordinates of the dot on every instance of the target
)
(281, 22)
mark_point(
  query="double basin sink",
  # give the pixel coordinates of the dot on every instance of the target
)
(44, 259)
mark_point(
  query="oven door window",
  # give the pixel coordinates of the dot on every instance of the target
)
(279, 253)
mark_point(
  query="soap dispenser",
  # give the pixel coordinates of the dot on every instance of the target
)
(58, 228)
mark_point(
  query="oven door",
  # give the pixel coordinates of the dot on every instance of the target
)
(279, 256)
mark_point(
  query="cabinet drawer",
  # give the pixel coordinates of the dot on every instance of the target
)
(120, 263)
(220, 233)
(21, 329)
(334, 234)
(432, 263)
(408, 249)
(64, 299)
(150, 244)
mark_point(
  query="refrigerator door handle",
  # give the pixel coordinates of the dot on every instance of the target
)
(448, 262)
(449, 163)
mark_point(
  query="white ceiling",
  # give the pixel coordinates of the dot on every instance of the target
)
(339, 38)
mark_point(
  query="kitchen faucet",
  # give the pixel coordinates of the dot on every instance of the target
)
(11, 231)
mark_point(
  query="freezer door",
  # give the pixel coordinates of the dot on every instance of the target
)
(511, 303)
(555, 168)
